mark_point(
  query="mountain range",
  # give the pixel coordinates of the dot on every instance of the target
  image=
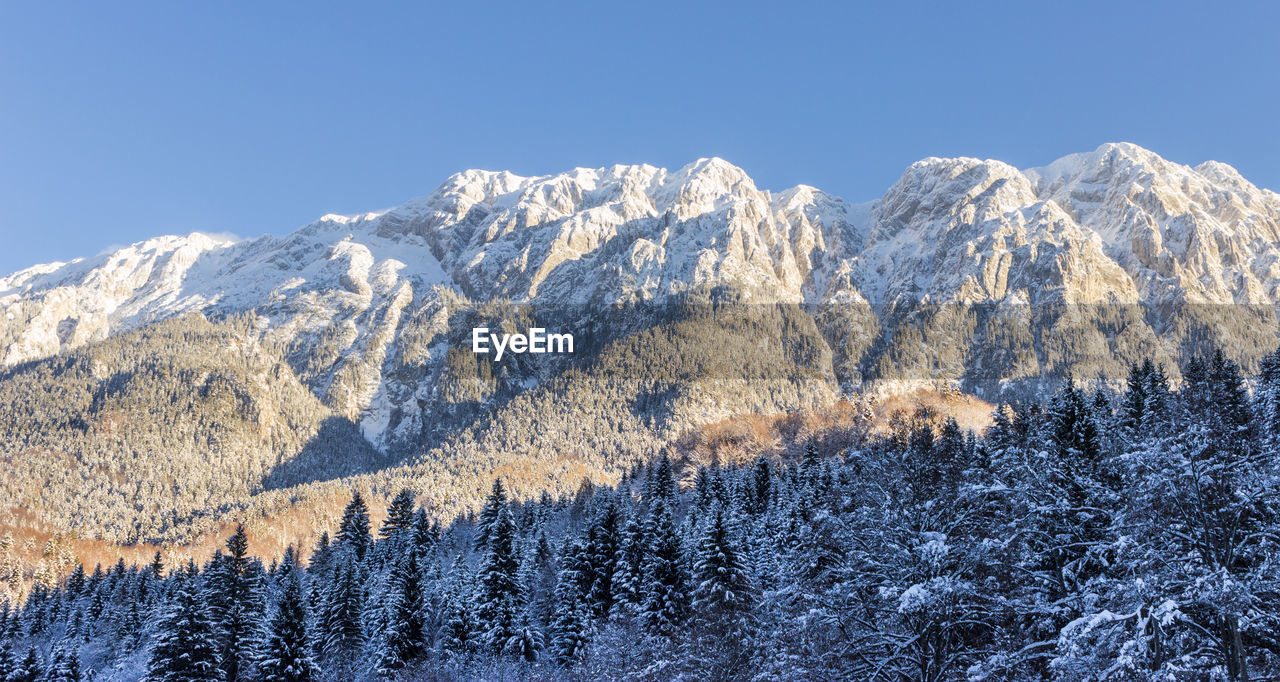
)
(338, 351)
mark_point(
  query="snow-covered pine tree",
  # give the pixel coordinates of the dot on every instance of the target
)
(812, 458)
(1133, 404)
(8, 661)
(342, 626)
(666, 597)
(761, 485)
(29, 669)
(353, 530)
(661, 483)
(1076, 500)
(286, 655)
(526, 643)
(951, 456)
(493, 507)
(629, 577)
(724, 596)
(186, 640)
(602, 554)
(500, 598)
(461, 634)
(1268, 396)
(403, 637)
(76, 582)
(703, 489)
(399, 521)
(426, 533)
(571, 622)
(320, 556)
(234, 592)
(723, 591)
(1205, 495)
(64, 664)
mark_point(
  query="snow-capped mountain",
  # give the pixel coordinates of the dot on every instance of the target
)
(1116, 225)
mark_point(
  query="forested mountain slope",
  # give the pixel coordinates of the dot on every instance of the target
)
(157, 391)
(1130, 536)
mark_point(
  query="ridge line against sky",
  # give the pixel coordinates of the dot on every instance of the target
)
(122, 123)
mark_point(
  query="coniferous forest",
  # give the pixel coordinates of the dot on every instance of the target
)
(1097, 535)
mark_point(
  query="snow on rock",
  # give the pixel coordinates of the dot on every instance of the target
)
(1118, 224)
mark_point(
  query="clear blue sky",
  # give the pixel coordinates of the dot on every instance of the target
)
(121, 121)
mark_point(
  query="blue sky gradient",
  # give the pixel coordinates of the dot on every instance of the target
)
(122, 121)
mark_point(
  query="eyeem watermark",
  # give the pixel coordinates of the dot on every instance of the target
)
(536, 341)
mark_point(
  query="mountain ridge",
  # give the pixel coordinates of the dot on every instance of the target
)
(374, 292)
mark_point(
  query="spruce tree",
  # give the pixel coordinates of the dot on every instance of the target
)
(29, 670)
(525, 643)
(723, 593)
(1268, 396)
(64, 664)
(426, 533)
(342, 625)
(602, 550)
(234, 592)
(500, 597)
(403, 637)
(629, 576)
(704, 494)
(399, 519)
(286, 656)
(1133, 405)
(661, 483)
(493, 508)
(761, 485)
(569, 627)
(667, 601)
(186, 645)
(8, 662)
(461, 635)
(353, 530)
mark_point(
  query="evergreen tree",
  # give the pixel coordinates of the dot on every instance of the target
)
(667, 601)
(234, 591)
(661, 483)
(500, 597)
(762, 484)
(76, 582)
(629, 577)
(286, 654)
(186, 646)
(29, 670)
(403, 636)
(8, 662)
(569, 629)
(1075, 431)
(525, 643)
(602, 551)
(489, 515)
(399, 521)
(723, 591)
(1268, 396)
(353, 530)
(426, 532)
(342, 629)
(461, 631)
(64, 664)
(1133, 406)
(704, 493)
